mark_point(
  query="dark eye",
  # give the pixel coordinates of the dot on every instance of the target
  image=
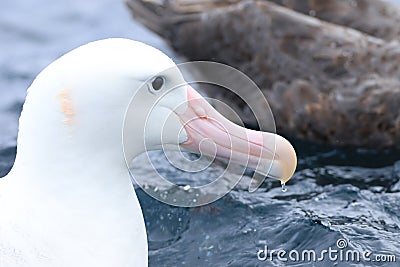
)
(157, 83)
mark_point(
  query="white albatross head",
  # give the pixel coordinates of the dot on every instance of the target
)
(97, 86)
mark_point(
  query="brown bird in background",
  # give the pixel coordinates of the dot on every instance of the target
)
(329, 69)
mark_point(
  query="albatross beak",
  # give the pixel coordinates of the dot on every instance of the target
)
(212, 134)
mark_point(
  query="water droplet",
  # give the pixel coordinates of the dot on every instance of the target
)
(186, 187)
(284, 188)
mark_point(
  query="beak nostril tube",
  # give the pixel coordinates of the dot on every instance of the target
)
(200, 112)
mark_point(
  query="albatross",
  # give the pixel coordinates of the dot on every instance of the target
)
(68, 200)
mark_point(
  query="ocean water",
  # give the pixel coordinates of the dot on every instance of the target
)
(350, 195)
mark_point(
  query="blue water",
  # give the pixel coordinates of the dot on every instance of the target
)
(352, 194)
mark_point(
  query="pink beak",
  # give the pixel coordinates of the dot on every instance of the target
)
(212, 134)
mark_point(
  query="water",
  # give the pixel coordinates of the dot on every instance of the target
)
(350, 194)
(284, 187)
